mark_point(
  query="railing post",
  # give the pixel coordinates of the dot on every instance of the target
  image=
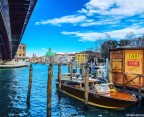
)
(140, 83)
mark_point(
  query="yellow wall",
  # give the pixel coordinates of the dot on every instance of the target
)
(81, 58)
(21, 52)
(134, 61)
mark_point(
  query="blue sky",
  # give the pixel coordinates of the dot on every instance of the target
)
(77, 25)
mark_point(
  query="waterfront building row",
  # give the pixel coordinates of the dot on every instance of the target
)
(65, 58)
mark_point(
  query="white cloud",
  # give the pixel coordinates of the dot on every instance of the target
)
(65, 19)
(117, 34)
(91, 36)
(101, 22)
(103, 12)
(114, 7)
(113, 13)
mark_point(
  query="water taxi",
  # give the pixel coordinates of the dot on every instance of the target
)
(102, 95)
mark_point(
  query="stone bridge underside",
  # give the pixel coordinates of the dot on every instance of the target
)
(14, 16)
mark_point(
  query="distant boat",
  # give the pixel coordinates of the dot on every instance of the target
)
(102, 95)
(66, 76)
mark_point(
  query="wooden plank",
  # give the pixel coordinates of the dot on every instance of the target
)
(131, 80)
(116, 54)
(117, 78)
(117, 65)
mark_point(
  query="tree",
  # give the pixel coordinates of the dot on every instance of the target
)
(130, 36)
(124, 42)
(90, 55)
(106, 46)
(138, 42)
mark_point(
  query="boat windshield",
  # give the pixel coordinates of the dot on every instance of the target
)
(102, 88)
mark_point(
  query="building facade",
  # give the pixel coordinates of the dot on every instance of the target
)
(21, 52)
(81, 58)
(71, 57)
(64, 58)
(87, 57)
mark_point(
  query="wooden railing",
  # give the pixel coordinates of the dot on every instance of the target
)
(139, 84)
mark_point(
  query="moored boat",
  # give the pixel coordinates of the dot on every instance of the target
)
(102, 95)
(67, 75)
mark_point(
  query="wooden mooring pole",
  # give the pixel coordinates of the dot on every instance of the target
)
(86, 88)
(49, 90)
(59, 76)
(29, 86)
(71, 67)
(83, 75)
(59, 82)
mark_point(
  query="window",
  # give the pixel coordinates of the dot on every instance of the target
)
(23, 54)
(23, 48)
(20, 47)
(19, 54)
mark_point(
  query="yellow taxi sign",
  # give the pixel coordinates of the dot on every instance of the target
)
(133, 56)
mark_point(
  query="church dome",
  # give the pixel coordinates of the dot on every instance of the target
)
(49, 53)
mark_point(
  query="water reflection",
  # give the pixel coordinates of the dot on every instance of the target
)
(72, 107)
(10, 95)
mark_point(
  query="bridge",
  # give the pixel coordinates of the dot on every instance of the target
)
(14, 17)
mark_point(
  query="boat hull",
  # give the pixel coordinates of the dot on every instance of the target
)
(96, 99)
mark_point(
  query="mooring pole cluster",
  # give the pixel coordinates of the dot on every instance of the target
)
(85, 76)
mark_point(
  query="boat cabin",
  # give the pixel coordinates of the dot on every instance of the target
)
(79, 83)
(93, 86)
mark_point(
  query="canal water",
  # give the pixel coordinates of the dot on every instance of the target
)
(13, 94)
